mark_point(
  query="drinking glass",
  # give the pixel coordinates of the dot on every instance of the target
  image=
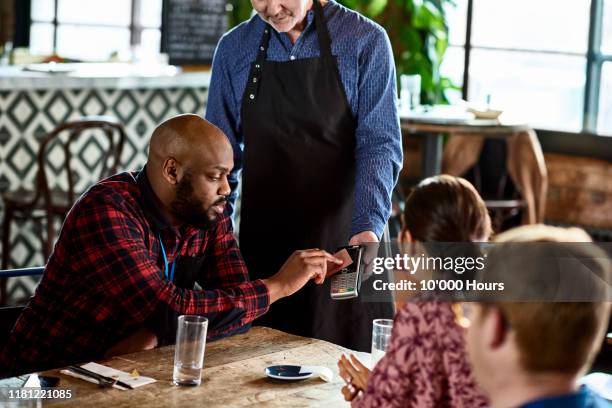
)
(381, 334)
(410, 91)
(189, 350)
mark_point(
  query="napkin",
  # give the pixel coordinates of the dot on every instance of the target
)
(324, 373)
(111, 372)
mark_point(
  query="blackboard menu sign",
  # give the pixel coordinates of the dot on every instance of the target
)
(191, 30)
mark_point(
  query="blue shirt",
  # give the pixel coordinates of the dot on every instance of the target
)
(367, 71)
(583, 398)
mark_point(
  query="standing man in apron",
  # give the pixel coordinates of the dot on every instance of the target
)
(305, 90)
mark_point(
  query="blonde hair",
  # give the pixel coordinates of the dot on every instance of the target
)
(543, 233)
(555, 336)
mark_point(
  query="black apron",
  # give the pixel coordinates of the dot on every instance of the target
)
(298, 184)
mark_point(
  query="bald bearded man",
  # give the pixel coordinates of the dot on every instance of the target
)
(139, 249)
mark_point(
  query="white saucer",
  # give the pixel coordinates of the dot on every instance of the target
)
(288, 372)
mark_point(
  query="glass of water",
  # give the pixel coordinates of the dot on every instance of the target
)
(381, 334)
(189, 350)
(410, 91)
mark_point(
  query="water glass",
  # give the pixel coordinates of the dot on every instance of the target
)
(189, 350)
(410, 91)
(381, 334)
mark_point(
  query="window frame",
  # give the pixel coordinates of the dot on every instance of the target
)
(595, 58)
(135, 26)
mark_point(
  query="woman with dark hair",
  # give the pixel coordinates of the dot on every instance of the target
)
(426, 364)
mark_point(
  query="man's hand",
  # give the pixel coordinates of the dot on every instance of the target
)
(370, 241)
(298, 270)
(363, 237)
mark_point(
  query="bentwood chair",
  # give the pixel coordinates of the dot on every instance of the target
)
(57, 184)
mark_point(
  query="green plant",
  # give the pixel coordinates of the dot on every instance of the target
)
(239, 11)
(419, 37)
(418, 33)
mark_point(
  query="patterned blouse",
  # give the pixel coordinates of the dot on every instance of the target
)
(425, 365)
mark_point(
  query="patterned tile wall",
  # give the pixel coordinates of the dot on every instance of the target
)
(25, 118)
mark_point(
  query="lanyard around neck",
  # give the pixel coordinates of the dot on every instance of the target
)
(171, 276)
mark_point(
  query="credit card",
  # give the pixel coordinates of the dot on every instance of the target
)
(333, 268)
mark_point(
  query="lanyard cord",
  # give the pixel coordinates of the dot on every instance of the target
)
(161, 244)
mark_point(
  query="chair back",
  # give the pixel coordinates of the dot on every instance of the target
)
(94, 142)
(14, 273)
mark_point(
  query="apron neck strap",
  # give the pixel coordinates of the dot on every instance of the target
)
(262, 52)
(322, 32)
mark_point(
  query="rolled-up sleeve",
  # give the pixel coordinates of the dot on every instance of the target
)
(378, 152)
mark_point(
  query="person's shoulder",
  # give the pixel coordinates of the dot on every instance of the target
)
(118, 190)
(595, 400)
(419, 316)
(354, 23)
(585, 397)
(234, 40)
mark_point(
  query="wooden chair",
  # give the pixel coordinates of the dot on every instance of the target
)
(47, 202)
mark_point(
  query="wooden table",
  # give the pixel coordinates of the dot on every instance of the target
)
(233, 376)
(433, 128)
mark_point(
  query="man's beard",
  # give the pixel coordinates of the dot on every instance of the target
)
(187, 208)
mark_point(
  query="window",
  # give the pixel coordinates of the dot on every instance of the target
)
(524, 57)
(604, 122)
(93, 30)
(606, 43)
(545, 62)
(604, 125)
(454, 58)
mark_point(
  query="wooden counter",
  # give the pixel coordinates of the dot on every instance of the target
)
(233, 376)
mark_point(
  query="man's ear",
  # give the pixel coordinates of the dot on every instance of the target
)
(171, 171)
(497, 329)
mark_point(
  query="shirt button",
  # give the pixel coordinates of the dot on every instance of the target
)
(292, 57)
(252, 96)
(262, 48)
(254, 80)
(257, 66)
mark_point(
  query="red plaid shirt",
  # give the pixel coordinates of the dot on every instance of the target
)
(105, 279)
